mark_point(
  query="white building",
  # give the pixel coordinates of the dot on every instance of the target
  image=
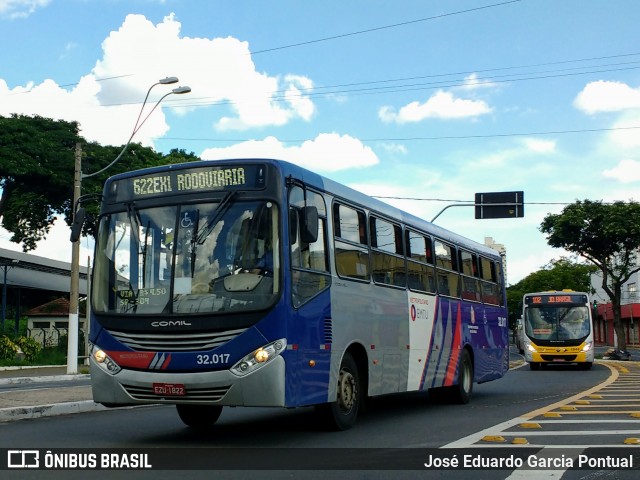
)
(630, 311)
(500, 248)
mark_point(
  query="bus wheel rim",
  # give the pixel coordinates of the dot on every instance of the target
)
(467, 380)
(347, 391)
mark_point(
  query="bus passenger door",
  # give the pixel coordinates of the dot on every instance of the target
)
(309, 298)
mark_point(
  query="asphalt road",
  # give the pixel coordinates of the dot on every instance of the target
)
(392, 437)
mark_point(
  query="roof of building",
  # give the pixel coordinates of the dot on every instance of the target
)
(55, 308)
(31, 271)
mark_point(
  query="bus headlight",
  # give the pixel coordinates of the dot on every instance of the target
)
(531, 348)
(587, 347)
(259, 357)
(103, 360)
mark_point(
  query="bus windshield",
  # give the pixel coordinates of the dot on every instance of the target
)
(188, 259)
(557, 324)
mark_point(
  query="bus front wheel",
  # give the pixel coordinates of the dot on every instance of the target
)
(342, 414)
(199, 416)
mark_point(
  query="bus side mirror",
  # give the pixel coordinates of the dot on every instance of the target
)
(309, 226)
(76, 226)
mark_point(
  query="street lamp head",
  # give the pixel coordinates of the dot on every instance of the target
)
(180, 90)
(168, 80)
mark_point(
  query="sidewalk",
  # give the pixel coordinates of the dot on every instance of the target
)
(28, 400)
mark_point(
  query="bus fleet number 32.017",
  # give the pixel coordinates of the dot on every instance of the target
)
(212, 359)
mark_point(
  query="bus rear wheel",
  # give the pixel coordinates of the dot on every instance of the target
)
(342, 414)
(461, 393)
(199, 416)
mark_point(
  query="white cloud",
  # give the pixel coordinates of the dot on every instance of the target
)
(527, 148)
(219, 70)
(56, 245)
(20, 8)
(625, 135)
(328, 152)
(106, 101)
(627, 171)
(395, 148)
(606, 96)
(472, 82)
(538, 145)
(442, 105)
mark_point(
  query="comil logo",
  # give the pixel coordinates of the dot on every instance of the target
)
(23, 459)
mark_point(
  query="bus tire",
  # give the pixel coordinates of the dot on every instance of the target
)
(342, 414)
(534, 366)
(461, 393)
(199, 416)
(586, 365)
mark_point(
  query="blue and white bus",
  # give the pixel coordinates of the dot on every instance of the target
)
(254, 282)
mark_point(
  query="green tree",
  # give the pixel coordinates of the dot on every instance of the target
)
(37, 163)
(36, 166)
(607, 235)
(560, 274)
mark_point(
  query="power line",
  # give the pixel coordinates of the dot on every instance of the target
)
(408, 139)
(497, 69)
(463, 201)
(281, 96)
(114, 77)
(384, 27)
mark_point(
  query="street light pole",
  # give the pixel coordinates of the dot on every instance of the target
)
(72, 337)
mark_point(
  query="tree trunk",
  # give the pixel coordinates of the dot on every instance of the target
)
(618, 326)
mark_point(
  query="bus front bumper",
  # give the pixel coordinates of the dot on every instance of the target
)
(263, 388)
(556, 355)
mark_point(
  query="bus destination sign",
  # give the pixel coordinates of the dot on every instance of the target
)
(191, 180)
(561, 298)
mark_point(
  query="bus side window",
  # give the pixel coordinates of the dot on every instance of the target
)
(421, 276)
(387, 253)
(469, 270)
(351, 249)
(491, 291)
(447, 269)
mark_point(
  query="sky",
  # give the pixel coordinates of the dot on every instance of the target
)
(420, 103)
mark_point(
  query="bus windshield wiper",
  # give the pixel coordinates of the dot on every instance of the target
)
(220, 210)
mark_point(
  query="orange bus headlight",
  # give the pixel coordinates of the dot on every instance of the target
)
(101, 358)
(259, 357)
(587, 347)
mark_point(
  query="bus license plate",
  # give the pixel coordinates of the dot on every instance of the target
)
(169, 389)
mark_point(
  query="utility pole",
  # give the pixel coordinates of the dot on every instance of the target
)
(72, 331)
(72, 348)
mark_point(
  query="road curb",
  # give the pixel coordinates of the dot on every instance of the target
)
(11, 414)
(44, 378)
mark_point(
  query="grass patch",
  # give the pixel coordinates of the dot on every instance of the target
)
(46, 356)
